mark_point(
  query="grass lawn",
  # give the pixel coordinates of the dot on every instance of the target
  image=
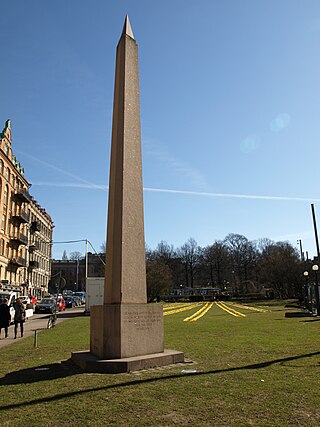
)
(258, 370)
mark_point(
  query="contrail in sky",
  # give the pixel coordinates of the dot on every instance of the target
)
(49, 165)
(89, 185)
(233, 196)
(183, 192)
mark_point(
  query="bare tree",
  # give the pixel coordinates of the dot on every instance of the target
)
(216, 258)
(243, 255)
(281, 269)
(190, 255)
(159, 279)
(75, 255)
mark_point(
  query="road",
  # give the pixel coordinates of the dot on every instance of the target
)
(38, 321)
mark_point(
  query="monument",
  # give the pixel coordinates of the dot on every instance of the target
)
(126, 333)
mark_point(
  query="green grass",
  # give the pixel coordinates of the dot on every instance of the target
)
(262, 370)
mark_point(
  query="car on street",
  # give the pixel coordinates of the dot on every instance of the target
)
(81, 295)
(70, 302)
(46, 305)
(77, 300)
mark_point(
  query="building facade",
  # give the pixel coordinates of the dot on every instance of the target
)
(25, 229)
(71, 274)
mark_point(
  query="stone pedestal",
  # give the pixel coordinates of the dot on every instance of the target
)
(90, 363)
(126, 338)
(126, 330)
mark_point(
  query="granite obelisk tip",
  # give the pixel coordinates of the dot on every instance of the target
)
(127, 30)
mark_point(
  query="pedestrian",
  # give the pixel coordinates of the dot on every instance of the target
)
(5, 316)
(19, 317)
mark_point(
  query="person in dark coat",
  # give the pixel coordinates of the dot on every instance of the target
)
(19, 317)
(5, 317)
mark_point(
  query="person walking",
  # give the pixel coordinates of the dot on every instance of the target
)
(19, 317)
(5, 317)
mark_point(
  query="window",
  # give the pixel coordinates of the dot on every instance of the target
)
(3, 222)
(7, 174)
(1, 166)
(5, 196)
(6, 149)
(1, 247)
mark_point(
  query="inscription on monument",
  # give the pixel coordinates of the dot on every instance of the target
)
(142, 321)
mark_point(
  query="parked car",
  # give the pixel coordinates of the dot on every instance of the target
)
(81, 295)
(70, 302)
(46, 305)
(77, 300)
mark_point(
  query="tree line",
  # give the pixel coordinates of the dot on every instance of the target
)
(234, 265)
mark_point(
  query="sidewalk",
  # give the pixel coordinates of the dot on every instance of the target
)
(38, 321)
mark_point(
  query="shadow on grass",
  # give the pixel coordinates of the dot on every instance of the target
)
(69, 315)
(65, 369)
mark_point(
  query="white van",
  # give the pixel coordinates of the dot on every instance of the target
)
(11, 297)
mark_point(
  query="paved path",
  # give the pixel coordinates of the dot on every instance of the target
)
(38, 321)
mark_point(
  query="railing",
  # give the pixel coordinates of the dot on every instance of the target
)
(35, 226)
(34, 264)
(23, 195)
(20, 239)
(18, 261)
(33, 247)
(22, 217)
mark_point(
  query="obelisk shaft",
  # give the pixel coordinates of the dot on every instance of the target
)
(125, 279)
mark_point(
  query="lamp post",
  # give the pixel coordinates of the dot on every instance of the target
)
(307, 295)
(299, 242)
(315, 268)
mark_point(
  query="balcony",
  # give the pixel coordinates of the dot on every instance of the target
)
(20, 239)
(18, 262)
(35, 226)
(34, 264)
(23, 196)
(33, 247)
(22, 217)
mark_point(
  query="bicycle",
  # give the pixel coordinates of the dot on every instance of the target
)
(52, 319)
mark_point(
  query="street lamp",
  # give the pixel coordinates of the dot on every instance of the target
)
(315, 268)
(299, 242)
(307, 295)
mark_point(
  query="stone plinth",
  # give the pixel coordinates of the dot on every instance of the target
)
(90, 363)
(126, 330)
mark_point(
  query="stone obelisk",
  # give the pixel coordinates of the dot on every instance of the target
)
(126, 333)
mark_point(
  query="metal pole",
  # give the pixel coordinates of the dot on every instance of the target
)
(86, 271)
(35, 342)
(315, 229)
(317, 295)
(317, 245)
(301, 253)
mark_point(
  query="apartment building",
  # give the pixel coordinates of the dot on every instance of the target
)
(25, 228)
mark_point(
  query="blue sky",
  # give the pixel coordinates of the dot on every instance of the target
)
(229, 107)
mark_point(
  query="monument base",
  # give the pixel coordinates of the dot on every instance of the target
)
(91, 363)
(119, 331)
